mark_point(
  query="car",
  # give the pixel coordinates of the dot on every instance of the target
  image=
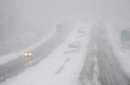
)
(28, 56)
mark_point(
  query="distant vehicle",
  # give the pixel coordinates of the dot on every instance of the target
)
(28, 56)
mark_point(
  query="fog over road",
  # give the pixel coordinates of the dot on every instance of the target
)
(101, 66)
(19, 64)
(93, 60)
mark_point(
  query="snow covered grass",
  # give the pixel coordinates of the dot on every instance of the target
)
(124, 57)
(62, 67)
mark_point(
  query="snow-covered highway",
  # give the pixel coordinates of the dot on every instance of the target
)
(64, 42)
(58, 67)
(12, 65)
(84, 56)
(102, 66)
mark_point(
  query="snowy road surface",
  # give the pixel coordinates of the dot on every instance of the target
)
(101, 65)
(85, 57)
(59, 66)
(19, 64)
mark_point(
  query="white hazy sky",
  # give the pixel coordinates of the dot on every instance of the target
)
(118, 10)
(108, 9)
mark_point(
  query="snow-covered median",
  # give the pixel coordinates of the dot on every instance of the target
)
(63, 66)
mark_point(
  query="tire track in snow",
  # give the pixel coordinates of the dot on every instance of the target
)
(111, 72)
(89, 73)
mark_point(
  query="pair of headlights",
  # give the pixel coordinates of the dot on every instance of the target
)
(27, 54)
